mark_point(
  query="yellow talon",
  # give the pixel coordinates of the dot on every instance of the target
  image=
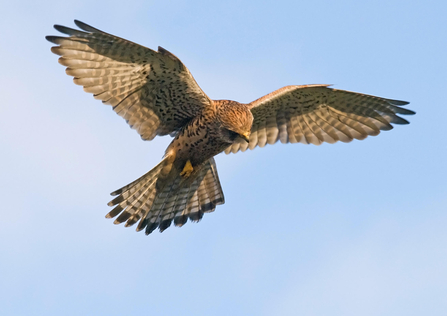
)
(187, 170)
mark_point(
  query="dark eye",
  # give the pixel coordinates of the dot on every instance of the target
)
(233, 135)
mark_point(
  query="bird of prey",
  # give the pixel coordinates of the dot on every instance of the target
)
(157, 95)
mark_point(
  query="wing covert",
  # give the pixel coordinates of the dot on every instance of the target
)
(153, 91)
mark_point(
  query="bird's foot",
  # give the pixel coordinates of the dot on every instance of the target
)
(187, 170)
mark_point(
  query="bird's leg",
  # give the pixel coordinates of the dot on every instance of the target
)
(187, 170)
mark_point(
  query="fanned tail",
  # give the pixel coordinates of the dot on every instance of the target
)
(156, 199)
(136, 197)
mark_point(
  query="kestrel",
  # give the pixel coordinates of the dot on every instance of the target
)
(157, 95)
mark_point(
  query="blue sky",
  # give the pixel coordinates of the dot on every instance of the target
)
(343, 229)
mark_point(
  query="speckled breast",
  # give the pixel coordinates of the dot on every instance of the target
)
(199, 141)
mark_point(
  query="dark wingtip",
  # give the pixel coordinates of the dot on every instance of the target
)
(399, 102)
(400, 121)
(58, 27)
(81, 24)
(86, 27)
(61, 28)
(398, 107)
(50, 38)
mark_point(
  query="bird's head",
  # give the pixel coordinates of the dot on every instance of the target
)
(236, 118)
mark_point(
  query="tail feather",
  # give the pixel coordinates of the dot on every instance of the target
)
(133, 192)
(141, 209)
(181, 210)
(205, 193)
(134, 201)
(158, 206)
(134, 197)
(146, 208)
(191, 208)
(136, 208)
(131, 186)
(178, 201)
(157, 203)
(180, 204)
(212, 196)
(127, 195)
(215, 188)
(209, 194)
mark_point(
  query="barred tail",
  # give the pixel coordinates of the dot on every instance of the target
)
(156, 202)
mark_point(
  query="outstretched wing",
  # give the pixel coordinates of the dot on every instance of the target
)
(314, 114)
(153, 91)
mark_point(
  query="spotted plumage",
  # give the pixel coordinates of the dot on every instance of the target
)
(157, 95)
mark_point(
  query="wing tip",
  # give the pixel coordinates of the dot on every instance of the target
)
(400, 121)
(63, 29)
(70, 31)
(409, 112)
(51, 38)
(398, 102)
(85, 26)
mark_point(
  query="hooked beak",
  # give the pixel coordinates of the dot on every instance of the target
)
(245, 136)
